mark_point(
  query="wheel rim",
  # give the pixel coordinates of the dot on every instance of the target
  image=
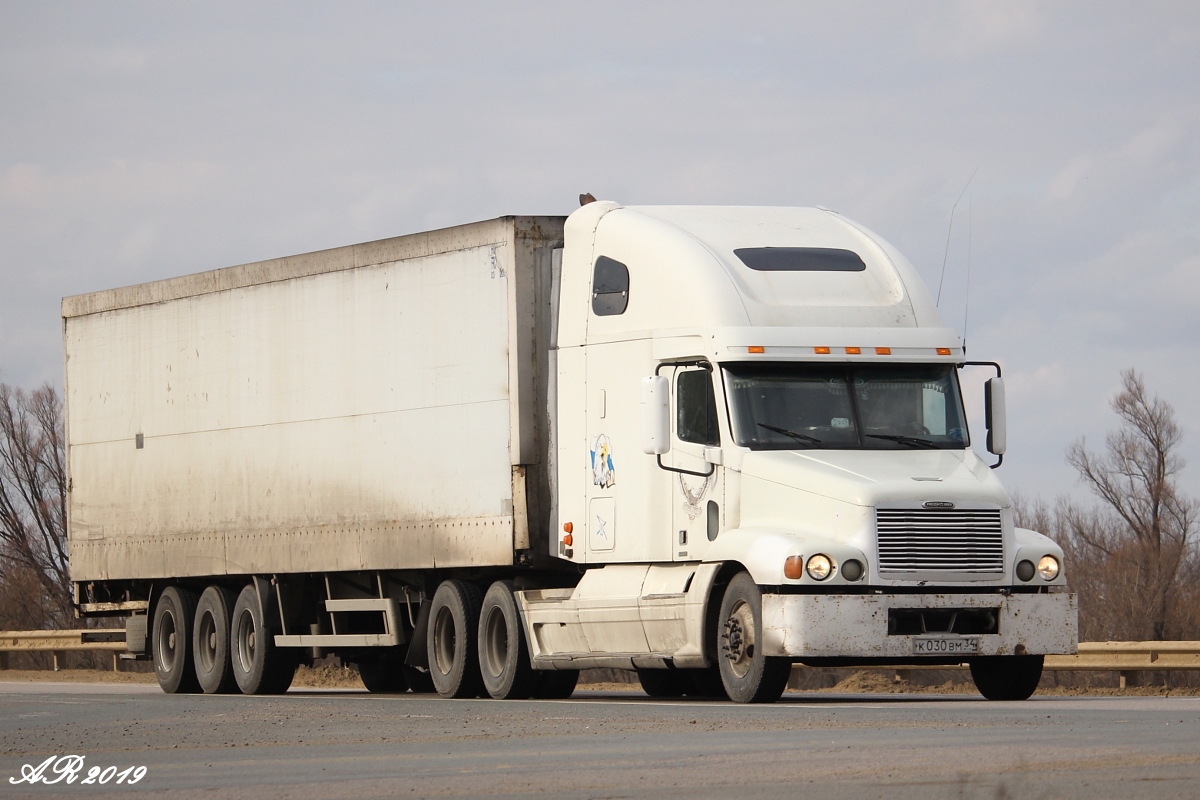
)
(495, 642)
(207, 651)
(444, 640)
(164, 647)
(246, 640)
(739, 639)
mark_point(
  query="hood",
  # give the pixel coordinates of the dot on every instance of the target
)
(869, 477)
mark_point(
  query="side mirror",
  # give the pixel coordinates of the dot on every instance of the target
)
(656, 415)
(993, 404)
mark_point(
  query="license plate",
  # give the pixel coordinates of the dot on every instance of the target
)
(944, 645)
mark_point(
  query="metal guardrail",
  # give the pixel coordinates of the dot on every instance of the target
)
(1126, 658)
(58, 642)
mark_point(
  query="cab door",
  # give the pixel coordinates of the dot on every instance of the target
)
(698, 485)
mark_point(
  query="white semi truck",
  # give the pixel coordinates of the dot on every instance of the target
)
(702, 443)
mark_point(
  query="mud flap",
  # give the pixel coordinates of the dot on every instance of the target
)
(418, 655)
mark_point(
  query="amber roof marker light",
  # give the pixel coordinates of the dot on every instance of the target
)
(943, 351)
(756, 348)
(883, 351)
(853, 351)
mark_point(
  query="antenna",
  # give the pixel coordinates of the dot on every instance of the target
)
(970, 233)
(946, 254)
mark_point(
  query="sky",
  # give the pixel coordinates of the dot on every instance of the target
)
(1049, 150)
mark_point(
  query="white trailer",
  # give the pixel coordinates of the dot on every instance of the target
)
(701, 443)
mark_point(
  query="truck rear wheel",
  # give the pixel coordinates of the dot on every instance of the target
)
(171, 640)
(1007, 677)
(259, 667)
(383, 674)
(503, 651)
(707, 683)
(664, 682)
(210, 641)
(749, 676)
(556, 684)
(452, 640)
(418, 680)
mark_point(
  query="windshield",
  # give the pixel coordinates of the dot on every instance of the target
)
(845, 406)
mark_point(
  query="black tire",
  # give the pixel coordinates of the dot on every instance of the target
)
(259, 667)
(383, 673)
(503, 652)
(1007, 677)
(706, 683)
(664, 682)
(748, 675)
(171, 641)
(556, 684)
(418, 680)
(210, 641)
(452, 639)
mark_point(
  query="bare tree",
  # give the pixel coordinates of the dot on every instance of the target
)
(1141, 540)
(34, 577)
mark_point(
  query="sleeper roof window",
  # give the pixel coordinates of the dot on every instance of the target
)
(800, 259)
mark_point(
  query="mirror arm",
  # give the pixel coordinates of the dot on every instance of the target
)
(995, 366)
(711, 469)
(991, 364)
(697, 362)
(702, 364)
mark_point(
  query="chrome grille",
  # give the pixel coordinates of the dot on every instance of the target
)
(940, 540)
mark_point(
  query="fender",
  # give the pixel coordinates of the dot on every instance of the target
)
(1031, 546)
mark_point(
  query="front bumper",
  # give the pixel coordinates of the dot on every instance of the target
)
(856, 626)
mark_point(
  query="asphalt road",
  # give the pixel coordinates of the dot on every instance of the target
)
(338, 744)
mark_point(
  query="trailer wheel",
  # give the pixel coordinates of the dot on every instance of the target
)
(503, 651)
(556, 684)
(418, 680)
(383, 674)
(749, 676)
(259, 667)
(451, 643)
(1007, 677)
(210, 641)
(664, 682)
(171, 641)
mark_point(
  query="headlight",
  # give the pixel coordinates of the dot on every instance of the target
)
(1026, 570)
(820, 567)
(1048, 567)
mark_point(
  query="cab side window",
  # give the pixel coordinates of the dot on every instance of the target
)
(610, 287)
(696, 408)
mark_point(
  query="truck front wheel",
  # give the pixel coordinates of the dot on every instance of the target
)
(259, 667)
(1007, 677)
(171, 640)
(453, 626)
(749, 676)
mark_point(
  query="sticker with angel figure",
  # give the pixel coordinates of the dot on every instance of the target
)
(603, 474)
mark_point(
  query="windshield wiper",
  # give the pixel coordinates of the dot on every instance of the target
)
(800, 437)
(915, 441)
